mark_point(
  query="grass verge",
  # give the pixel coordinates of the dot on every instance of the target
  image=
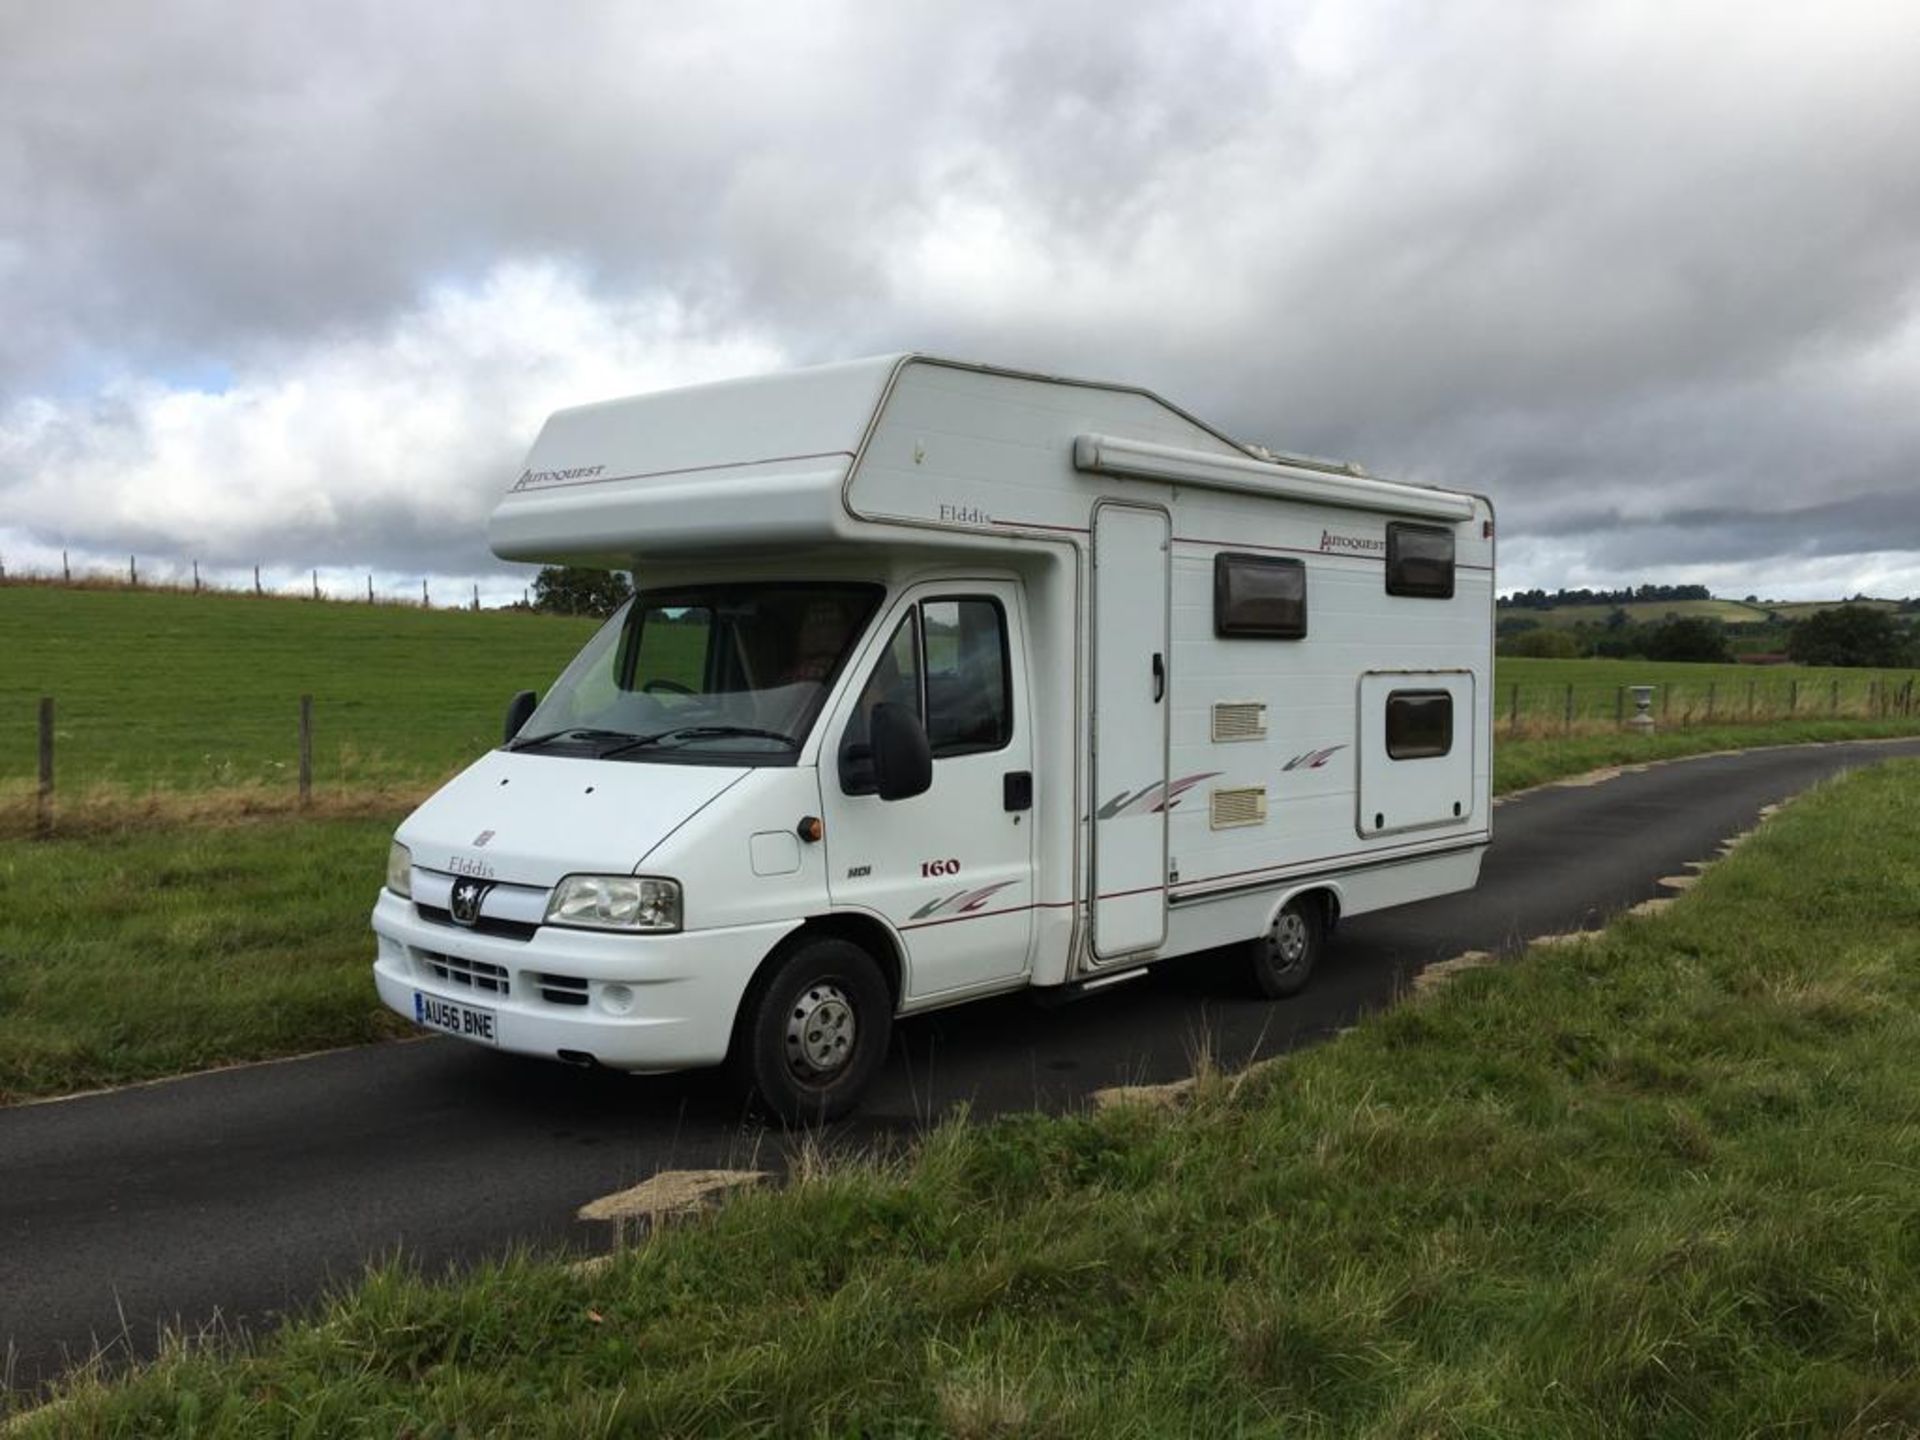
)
(139, 953)
(1661, 1182)
(1519, 764)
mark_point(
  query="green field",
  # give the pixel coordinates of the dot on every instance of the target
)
(1658, 1183)
(197, 695)
(196, 691)
(1652, 612)
(1649, 612)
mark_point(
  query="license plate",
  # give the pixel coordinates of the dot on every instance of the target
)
(469, 1022)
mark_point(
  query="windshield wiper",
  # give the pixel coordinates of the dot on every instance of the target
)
(700, 732)
(575, 733)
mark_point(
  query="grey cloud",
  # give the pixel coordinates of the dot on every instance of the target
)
(1611, 263)
(1862, 525)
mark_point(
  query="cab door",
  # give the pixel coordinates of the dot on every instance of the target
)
(950, 869)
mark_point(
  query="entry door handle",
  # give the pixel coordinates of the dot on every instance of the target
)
(1016, 790)
(1159, 677)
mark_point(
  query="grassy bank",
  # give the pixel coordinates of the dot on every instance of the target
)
(1518, 764)
(142, 953)
(1657, 1183)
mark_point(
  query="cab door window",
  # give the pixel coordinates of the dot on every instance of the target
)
(947, 661)
(968, 707)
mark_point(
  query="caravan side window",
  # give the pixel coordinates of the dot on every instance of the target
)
(1419, 560)
(1259, 596)
(1419, 724)
(948, 662)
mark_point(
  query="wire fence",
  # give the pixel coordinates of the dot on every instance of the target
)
(336, 585)
(1584, 707)
(288, 749)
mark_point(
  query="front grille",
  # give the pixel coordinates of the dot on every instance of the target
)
(474, 974)
(485, 925)
(563, 989)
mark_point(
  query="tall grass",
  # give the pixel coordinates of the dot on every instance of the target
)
(1660, 1183)
(140, 953)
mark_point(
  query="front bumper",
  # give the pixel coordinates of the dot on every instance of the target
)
(552, 992)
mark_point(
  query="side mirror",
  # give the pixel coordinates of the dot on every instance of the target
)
(902, 760)
(519, 710)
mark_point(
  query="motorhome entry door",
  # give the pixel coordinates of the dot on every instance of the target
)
(1129, 729)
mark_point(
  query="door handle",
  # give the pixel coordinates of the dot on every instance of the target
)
(1159, 677)
(1016, 790)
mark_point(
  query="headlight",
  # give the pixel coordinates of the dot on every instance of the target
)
(615, 902)
(400, 870)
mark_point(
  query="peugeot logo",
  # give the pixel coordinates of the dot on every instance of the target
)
(464, 904)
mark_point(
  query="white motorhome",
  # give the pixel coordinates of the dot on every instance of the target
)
(941, 681)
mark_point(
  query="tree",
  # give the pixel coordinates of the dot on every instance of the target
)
(579, 590)
(1847, 635)
(1686, 637)
(1541, 645)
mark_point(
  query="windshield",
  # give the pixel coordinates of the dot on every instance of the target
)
(729, 674)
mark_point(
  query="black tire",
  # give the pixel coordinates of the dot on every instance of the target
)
(1281, 961)
(813, 1031)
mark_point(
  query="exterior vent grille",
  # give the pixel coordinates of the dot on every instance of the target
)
(563, 989)
(474, 974)
(1246, 805)
(1239, 720)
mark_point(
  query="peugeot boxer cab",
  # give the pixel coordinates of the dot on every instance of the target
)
(939, 681)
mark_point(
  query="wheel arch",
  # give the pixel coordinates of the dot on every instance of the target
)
(1325, 893)
(869, 932)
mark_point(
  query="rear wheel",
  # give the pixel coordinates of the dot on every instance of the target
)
(813, 1031)
(1282, 960)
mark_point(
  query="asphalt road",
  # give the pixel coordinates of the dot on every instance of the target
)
(228, 1198)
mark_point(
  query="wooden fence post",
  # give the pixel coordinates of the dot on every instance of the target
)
(196, 577)
(306, 751)
(133, 572)
(1567, 727)
(66, 568)
(44, 806)
(1711, 687)
(256, 579)
(1513, 711)
(1749, 699)
(1833, 699)
(1619, 704)
(1793, 697)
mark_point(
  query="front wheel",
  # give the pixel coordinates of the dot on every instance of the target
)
(813, 1031)
(1282, 960)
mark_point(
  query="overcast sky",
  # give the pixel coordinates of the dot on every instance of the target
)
(297, 283)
